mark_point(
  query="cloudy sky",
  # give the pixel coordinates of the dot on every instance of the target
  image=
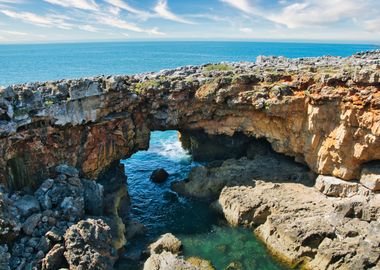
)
(103, 20)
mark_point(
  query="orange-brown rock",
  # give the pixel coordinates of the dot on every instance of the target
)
(325, 112)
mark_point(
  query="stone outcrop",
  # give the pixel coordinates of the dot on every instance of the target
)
(322, 111)
(165, 255)
(167, 242)
(41, 227)
(88, 245)
(206, 182)
(301, 226)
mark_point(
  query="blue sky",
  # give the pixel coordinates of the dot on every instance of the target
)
(23, 21)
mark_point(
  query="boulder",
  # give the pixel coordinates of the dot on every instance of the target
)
(88, 246)
(31, 223)
(54, 259)
(167, 261)
(73, 207)
(167, 242)
(67, 170)
(370, 176)
(10, 224)
(27, 205)
(335, 187)
(4, 258)
(159, 176)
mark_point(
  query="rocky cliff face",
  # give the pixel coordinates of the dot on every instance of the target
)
(325, 112)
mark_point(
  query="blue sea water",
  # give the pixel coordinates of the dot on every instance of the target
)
(41, 62)
(202, 233)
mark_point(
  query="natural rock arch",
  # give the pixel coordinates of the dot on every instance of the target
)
(326, 115)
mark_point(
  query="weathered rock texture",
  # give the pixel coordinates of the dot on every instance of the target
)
(323, 111)
(300, 225)
(40, 229)
(164, 255)
(206, 182)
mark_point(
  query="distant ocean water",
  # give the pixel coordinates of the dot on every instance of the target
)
(42, 62)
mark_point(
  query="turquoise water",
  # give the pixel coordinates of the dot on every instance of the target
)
(225, 247)
(41, 62)
(203, 233)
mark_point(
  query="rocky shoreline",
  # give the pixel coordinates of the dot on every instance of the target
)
(322, 113)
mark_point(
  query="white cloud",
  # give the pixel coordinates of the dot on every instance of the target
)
(246, 30)
(123, 5)
(29, 17)
(373, 25)
(242, 5)
(79, 4)
(88, 28)
(14, 33)
(156, 32)
(44, 21)
(307, 13)
(315, 12)
(163, 11)
(122, 24)
(114, 10)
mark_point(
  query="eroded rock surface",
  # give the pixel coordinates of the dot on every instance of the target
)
(88, 245)
(323, 111)
(41, 227)
(165, 255)
(300, 225)
(206, 182)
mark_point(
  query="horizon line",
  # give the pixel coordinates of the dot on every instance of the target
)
(306, 41)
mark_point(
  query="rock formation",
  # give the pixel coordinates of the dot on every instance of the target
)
(206, 182)
(165, 255)
(322, 111)
(49, 229)
(301, 226)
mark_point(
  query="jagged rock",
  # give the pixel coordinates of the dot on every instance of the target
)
(54, 235)
(4, 258)
(27, 205)
(370, 177)
(73, 207)
(207, 182)
(93, 198)
(167, 242)
(31, 223)
(301, 225)
(88, 245)
(159, 176)
(67, 170)
(10, 224)
(54, 259)
(322, 111)
(335, 187)
(166, 261)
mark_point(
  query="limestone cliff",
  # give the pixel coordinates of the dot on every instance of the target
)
(324, 111)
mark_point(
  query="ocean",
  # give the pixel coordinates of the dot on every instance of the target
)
(42, 62)
(203, 234)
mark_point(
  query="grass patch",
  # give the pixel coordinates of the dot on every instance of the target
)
(218, 67)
